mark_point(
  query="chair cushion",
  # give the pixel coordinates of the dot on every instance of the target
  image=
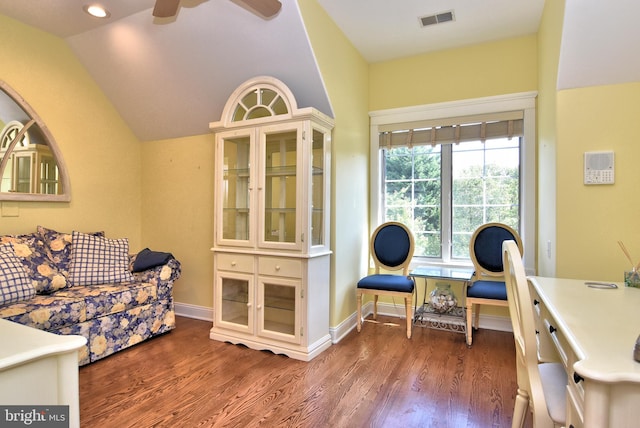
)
(388, 282)
(496, 290)
(554, 386)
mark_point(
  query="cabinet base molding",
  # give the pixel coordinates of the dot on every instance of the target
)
(296, 352)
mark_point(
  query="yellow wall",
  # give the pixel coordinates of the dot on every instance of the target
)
(101, 153)
(503, 67)
(345, 75)
(549, 38)
(177, 210)
(591, 219)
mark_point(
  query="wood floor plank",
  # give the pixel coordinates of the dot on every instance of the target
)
(376, 378)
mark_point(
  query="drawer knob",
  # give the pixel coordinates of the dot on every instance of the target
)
(536, 302)
(577, 378)
(552, 329)
(233, 263)
(277, 267)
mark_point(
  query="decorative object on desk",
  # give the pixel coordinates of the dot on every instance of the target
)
(442, 299)
(632, 278)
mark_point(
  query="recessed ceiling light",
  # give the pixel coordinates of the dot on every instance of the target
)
(96, 10)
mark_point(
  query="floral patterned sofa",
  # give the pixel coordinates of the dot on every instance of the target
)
(88, 285)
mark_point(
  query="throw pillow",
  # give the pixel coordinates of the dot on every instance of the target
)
(31, 250)
(58, 246)
(14, 284)
(97, 260)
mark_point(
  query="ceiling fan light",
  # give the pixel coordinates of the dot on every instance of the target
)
(96, 10)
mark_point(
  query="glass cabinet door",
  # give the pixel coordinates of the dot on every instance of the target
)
(317, 188)
(278, 309)
(235, 192)
(280, 193)
(234, 304)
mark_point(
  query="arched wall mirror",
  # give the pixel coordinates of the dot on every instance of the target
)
(31, 167)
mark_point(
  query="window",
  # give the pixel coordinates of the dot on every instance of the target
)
(483, 178)
(446, 169)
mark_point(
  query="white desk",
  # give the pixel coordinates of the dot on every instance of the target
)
(39, 368)
(595, 333)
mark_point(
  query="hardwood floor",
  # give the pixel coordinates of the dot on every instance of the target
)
(376, 378)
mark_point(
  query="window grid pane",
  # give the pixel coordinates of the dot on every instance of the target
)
(485, 182)
(412, 194)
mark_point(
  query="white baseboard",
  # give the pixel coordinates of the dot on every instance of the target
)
(489, 322)
(193, 311)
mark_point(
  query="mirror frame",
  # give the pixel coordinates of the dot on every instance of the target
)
(65, 196)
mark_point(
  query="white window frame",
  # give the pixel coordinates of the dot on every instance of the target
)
(525, 101)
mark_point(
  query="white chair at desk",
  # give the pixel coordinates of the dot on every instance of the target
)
(541, 386)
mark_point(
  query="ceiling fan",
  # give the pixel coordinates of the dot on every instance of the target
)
(265, 8)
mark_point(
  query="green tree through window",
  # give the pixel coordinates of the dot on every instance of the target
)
(483, 178)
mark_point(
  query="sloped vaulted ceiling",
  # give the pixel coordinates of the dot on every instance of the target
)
(170, 80)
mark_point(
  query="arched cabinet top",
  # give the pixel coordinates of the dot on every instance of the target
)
(261, 100)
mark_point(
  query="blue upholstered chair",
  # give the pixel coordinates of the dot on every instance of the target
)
(487, 284)
(391, 248)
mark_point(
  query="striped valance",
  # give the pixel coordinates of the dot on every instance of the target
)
(452, 130)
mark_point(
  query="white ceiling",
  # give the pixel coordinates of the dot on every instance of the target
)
(171, 77)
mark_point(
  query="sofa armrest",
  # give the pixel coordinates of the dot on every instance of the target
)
(163, 276)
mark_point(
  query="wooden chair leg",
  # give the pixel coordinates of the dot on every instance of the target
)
(520, 409)
(476, 321)
(407, 304)
(359, 308)
(469, 324)
(375, 306)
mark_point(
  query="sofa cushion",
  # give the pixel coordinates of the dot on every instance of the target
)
(14, 284)
(97, 260)
(46, 312)
(108, 299)
(43, 274)
(58, 247)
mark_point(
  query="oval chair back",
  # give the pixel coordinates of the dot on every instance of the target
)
(392, 247)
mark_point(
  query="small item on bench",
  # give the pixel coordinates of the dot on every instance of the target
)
(636, 350)
(147, 259)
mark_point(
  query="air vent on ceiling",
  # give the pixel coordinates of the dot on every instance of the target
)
(438, 18)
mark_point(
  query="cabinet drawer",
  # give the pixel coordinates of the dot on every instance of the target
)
(235, 262)
(277, 266)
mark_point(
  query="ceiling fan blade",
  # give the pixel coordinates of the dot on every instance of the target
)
(265, 8)
(166, 8)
